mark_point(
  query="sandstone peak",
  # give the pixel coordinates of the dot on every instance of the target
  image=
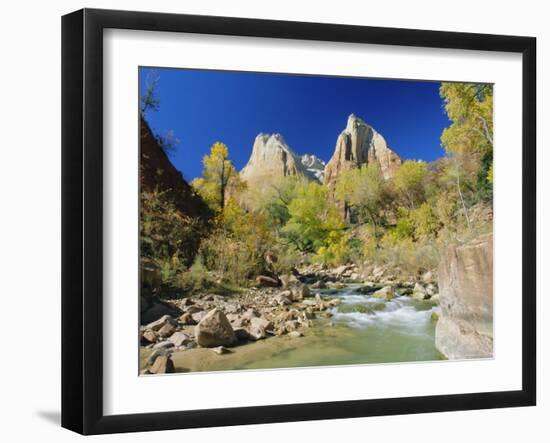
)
(358, 144)
(271, 157)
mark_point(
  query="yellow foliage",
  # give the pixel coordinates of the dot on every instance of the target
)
(470, 108)
(219, 178)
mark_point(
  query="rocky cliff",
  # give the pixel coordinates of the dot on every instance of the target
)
(157, 172)
(314, 166)
(272, 157)
(356, 145)
(465, 276)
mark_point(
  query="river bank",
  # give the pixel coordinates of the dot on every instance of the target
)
(318, 317)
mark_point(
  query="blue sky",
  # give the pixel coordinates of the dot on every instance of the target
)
(202, 107)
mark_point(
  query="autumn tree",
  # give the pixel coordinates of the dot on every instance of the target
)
(312, 218)
(219, 177)
(364, 191)
(469, 106)
(274, 200)
(409, 181)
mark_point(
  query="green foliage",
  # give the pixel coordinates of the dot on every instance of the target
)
(312, 218)
(470, 108)
(409, 181)
(274, 200)
(335, 250)
(404, 222)
(364, 191)
(404, 228)
(415, 224)
(237, 248)
(485, 178)
(167, 236)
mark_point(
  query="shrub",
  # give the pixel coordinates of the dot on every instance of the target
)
(167, 237)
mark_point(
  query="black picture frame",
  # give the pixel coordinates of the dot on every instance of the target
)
(82, 219)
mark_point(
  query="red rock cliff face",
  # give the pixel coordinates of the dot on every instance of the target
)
(157, 172)
(465, 277)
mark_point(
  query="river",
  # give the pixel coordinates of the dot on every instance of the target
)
(362, 329)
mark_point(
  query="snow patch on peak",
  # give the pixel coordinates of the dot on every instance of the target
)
(314, 166)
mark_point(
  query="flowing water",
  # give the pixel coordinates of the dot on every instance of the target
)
(362, 329)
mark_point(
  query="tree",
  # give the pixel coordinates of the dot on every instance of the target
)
(470, 108)
(219, 177)
(274, 200)
(312, 218)
(149, 99)
(167, 236)
(363, 189)
(168, 142)
(409, 182)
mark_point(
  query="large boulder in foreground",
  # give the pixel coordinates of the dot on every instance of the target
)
(465, 276)
(215, 330)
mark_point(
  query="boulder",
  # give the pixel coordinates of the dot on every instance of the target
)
(163, 365)
(387, 293)
(265, 281)
(162, 321)
(250, 313)
(187, 319)
(428, 277)
(261, 322)
(301, 292)
(166, 344)
(215, 330)
(198, 316)
(402, 290)
(156, 353)
(148, 336)
(259, 328)
(187, 302)
(158, 310)
(282, 300)
(237, 321)
(431, 289)
(167, 330)
(288, 280)
(340, 270)
(242, 334)
(419, 292)
(295, 334)
(319, 284)
(256, 333)
(465, 280)
(179, 339)
(378, 272)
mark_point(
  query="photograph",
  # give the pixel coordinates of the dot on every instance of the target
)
(294, 221)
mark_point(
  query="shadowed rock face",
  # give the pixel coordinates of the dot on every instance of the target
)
(271, 158)
(356, 145)
(465, 276)
(158, 173)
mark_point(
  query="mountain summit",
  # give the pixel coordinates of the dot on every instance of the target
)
(358, 144)
(272, 157)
